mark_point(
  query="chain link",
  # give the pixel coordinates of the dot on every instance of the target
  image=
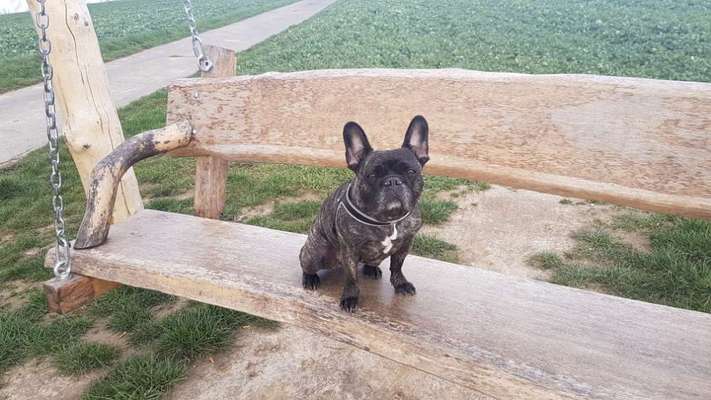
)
(204, 62)
(62, 265)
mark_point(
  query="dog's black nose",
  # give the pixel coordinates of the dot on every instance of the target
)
(392, 180)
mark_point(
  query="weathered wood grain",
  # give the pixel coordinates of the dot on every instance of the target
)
(90, 123)
(66, 295)
(635, 142)
(107, 174)
(224, 62)
(211, 171)
(505, 337)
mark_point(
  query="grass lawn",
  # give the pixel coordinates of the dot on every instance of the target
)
(674, 270)
(655, 38)
(123, 27)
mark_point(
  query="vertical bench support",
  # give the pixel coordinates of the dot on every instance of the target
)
(91, 125)
(211, 171)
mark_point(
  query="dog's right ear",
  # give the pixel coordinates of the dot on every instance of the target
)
(357, 146)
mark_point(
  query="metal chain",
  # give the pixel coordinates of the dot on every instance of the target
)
(204, 62)
(62, 265)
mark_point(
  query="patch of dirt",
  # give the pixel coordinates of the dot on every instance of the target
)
(267, 208)
(164, 310)
(636, 240)
(99, 333)
(7, 237)
(291, 363)
(500, 228)
(177, 197)
(32, 252)
(12, 294)
(37, 379)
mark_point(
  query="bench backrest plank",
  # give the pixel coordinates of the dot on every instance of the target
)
(635, 142)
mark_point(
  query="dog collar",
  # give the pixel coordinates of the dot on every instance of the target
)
(362, 217)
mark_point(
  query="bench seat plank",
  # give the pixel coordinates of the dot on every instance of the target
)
(500, 336)
(635, 142)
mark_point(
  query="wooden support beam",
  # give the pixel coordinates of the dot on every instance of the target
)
(635, 142)
(67, 295)
(107, 174)
(211, 171)
(90, 122)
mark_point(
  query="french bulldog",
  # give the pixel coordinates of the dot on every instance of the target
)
(373, 216)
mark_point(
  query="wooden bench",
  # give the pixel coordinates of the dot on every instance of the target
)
(633, 142)
(501, 336)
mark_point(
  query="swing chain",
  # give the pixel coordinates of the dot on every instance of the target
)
(204, 62)
(62, 265)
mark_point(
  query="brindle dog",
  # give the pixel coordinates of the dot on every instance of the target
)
(373, 216)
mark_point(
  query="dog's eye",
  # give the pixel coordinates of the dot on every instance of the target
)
(411, 171)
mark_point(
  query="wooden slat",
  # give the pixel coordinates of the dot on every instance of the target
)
(635, 142)
(211, 171)
(504, 337)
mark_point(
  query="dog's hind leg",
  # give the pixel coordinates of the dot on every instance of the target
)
(313, 258)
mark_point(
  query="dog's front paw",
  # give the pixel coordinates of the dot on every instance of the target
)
(405, 288)
(349, 298)
(310, 281)
(372, 272)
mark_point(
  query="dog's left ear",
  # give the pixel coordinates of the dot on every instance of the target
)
(416, 139)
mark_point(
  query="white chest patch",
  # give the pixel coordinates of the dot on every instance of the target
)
(388, 241)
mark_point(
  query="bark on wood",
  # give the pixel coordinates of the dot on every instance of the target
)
(90, 125)
(211, 171)
(108, 172)
(635, 142)
(506, 337)
(69, 294)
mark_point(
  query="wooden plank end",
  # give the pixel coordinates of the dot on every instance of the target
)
(66, 295)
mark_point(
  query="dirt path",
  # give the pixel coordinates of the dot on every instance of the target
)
(38, 379)
(500, 228)
(291, 363)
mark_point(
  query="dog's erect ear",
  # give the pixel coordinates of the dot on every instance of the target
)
(357, 146)
(416, 139)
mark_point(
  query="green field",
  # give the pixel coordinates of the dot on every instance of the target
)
(664, 39)
(124, 27)
(660, 39)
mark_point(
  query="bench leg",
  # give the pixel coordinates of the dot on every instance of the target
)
(65, 295)
(210, 181)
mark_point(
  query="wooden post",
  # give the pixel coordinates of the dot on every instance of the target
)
(211, 171)
(90, 122)
(91, 126)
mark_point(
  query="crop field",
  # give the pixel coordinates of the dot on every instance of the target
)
(123, 27)
(662, 39)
